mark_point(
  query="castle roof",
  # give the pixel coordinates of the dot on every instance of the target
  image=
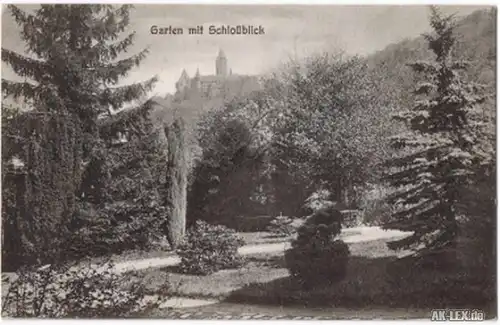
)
(184, 74)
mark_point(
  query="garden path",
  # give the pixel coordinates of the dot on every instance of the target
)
(349, 235)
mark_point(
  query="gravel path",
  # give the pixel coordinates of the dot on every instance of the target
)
(361, 234)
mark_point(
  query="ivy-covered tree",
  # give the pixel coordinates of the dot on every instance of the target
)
(71, 72)
(442, 150)
(175, 188)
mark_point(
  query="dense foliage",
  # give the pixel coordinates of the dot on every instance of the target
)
(315, 125)
(207, 249)
(123, 187)
(316, 256)
(74, 69)
(39, 192)
(108, 168)
(445, 147)
(333, 131)
(376, 211)
(228, 174)
(71, 292)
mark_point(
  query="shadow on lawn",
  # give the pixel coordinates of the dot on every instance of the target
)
(172, 269)
(379, 282)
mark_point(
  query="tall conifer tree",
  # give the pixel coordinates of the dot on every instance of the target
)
(71, 69)
(441, 151)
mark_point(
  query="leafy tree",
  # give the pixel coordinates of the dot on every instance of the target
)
(315, 124)
(333, 128)
(443, 149)
(71, 72)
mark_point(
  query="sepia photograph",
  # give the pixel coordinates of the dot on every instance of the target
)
(249, 162)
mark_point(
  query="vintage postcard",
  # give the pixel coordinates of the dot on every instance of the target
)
(249, 162)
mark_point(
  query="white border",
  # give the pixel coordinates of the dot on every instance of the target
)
(264, 2)
(274, 2)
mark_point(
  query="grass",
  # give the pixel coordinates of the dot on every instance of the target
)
(374, 280)
(221, 284)
(369, 284)
(260, 268)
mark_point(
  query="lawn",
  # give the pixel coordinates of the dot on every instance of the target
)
(260, 269)
(374, 280)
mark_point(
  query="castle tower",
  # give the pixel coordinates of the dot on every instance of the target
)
(221, 64)
(183, 81)
(196, 82)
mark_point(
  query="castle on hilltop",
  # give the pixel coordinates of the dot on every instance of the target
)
(223, 82)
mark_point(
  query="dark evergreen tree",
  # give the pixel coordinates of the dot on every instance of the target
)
(71, 71)
(71, 64)
(443, 149)
(123, 187)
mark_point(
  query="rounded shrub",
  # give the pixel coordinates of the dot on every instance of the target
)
(209, 248)
(316, 256)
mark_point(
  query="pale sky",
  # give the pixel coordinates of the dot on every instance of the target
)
(289, 30)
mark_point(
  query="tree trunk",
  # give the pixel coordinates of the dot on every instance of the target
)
(176, 183)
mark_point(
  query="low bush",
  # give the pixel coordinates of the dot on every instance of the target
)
(316, 257)
(76, 292)
(281, 226)
(209, 248)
